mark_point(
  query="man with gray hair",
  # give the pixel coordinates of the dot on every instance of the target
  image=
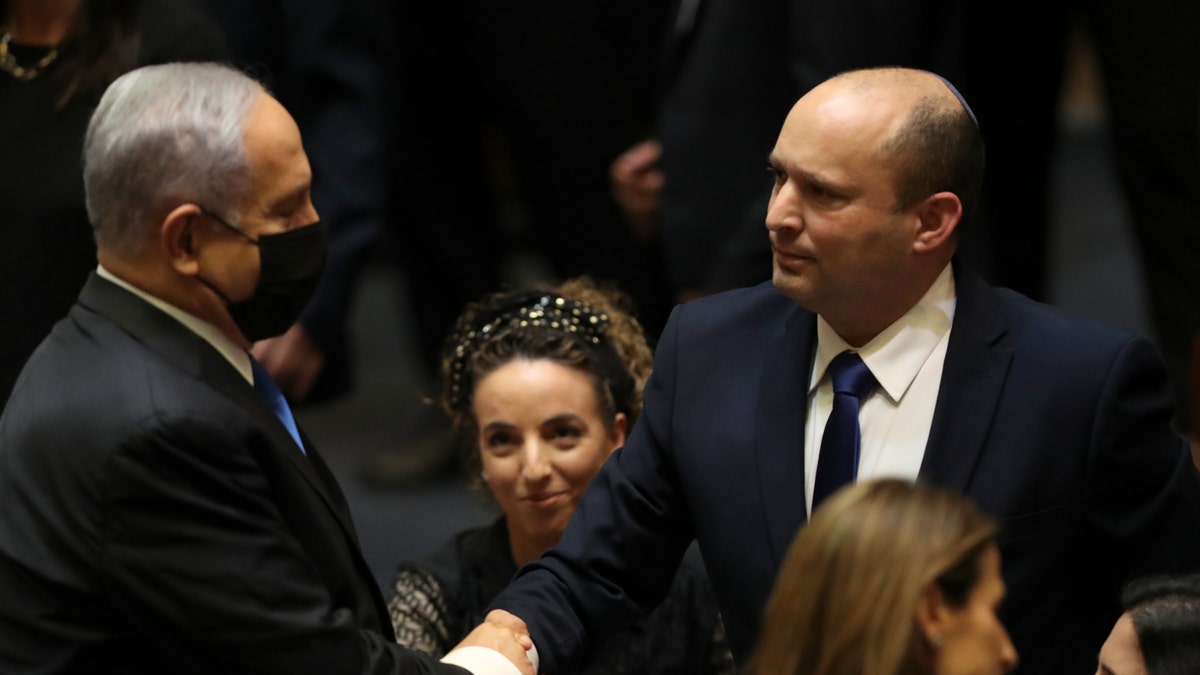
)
(161, 511)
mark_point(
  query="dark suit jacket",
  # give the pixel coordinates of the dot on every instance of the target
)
(1055, 425)
(157, 517)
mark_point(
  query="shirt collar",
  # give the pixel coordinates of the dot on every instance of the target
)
(236, 356)
(896, 355)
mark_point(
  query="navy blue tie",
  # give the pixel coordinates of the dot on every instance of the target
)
(270, 393)
(837, 464)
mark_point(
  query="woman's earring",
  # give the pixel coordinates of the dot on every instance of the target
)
(936, 639)
(483, 475)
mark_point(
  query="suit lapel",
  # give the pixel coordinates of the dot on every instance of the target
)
(337, 499)
(779, 429)
(972, 381)
(197, 359)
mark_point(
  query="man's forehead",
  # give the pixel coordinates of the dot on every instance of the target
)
(278, 165)
(268, 116)
(843, 116)
(863, 108)
(270, 133)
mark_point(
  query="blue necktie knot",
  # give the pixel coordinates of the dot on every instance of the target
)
(851, 376)
(269, 391)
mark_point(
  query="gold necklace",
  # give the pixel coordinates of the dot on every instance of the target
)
(8, 62)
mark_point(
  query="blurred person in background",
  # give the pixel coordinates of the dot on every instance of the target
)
(56, 58)
(731, 64)
(328, 63)
(543, 386)
(506, 118)
(1149, 70)
(888, 578)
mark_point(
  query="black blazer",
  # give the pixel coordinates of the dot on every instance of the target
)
(157, 517)
(1055, 425)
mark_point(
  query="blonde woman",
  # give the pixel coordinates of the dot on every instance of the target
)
(888, 578)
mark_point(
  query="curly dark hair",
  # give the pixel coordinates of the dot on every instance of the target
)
(577, 323)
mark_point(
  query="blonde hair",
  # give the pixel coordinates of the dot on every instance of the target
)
(845, 601)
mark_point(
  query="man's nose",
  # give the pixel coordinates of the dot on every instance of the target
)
(783, 211)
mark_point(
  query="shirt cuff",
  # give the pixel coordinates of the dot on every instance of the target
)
(484, 661)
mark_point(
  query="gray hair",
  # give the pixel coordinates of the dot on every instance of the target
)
(162, 136)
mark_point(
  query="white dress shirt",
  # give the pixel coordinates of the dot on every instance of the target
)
(236, 356)
(486, 661)
(894, 420)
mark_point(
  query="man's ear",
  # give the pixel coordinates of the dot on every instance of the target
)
(939, 216)
(177, 235)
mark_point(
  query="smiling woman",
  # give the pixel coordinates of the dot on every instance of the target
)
(543, 386)
(542, 438)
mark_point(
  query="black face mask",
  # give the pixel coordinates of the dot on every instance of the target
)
(290, 265)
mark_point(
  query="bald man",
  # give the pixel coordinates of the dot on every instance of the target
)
(1055, 425)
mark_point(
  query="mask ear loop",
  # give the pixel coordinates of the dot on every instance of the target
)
(227, 224)
(212, 287)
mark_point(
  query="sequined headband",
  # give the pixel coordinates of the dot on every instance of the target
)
(523, 310)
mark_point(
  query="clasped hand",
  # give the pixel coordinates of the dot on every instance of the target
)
(506, 634)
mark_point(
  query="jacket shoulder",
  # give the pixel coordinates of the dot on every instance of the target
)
(750, 306)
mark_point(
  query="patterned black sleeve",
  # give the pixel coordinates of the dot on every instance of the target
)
(419, 614)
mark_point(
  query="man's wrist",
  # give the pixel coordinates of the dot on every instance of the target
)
(485, 661)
